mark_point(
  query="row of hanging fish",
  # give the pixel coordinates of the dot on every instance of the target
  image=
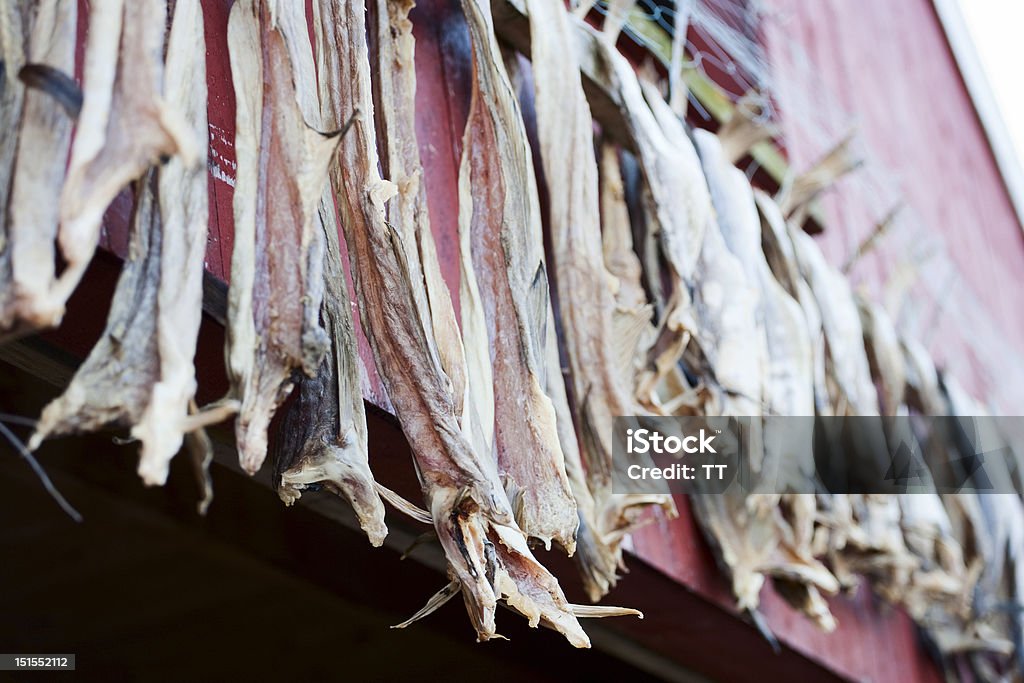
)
(670, 286)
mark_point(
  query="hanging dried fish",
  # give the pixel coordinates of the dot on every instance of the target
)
(741, 367)
(745, 539)
(676, 199)
(183, 199)
(141, 373)
(847, 364)
(507, 259)
(616, 17)
(15, 28)
(832, 514)
(601, 389)
(28, 223)
(407, 212)
(125, 126)
(923, 391)
(487, 553)
(885, 357)
(780, 347)
(678, 242)
(276, 266)
(631, 320)
(323, 438)
(113, 385)
(781, 256)
(597, 559)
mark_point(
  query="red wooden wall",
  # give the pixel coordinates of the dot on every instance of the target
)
(889, 68)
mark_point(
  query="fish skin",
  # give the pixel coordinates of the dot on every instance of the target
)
(487, 553)
(112, 387)
(282, 166)
(755, 541)
(124, 127)
(184, 212)
(508, 262)
(141, 374)
(28, 226)
(601, 391)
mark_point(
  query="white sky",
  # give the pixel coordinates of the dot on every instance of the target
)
(995, 26)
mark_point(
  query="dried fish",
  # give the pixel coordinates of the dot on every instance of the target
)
(885, 357)
(778, 343)
(616, 17)
(113, 385)
(141, 374)
(28, 224)
(631, 319)
(597, 559)
(487, 553)
(507, 259)
(601, 389)
(745, 539)
(781, 256)
(923, 391)
(847, 362)
(677, 202)
(15, 28)
(323, 439)
(183, 199)
(125, 125)
(407, 212)
(995, 550)
(679, 240)
(276, 266)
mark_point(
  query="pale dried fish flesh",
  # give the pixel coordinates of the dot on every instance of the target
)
(757, 540)
(844, 336)
(113, 385)
(183, 199)
(323, 439)
(28, 223)
(276, 265)
(125, 125)
(885, 356)
(507, 255)
(141, 374)
(487, 553)
(601, 390)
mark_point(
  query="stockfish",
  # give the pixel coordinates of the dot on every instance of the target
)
(141, 373)
(780, 347)
(602, 391)
(276, 266)
(183, 198)
(488, 557)
(676, 201)
(507, 257)
(885, 356)
(33, 171)
(323, 439)
(126, 125)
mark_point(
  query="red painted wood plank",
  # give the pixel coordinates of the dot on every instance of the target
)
(891, 68)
